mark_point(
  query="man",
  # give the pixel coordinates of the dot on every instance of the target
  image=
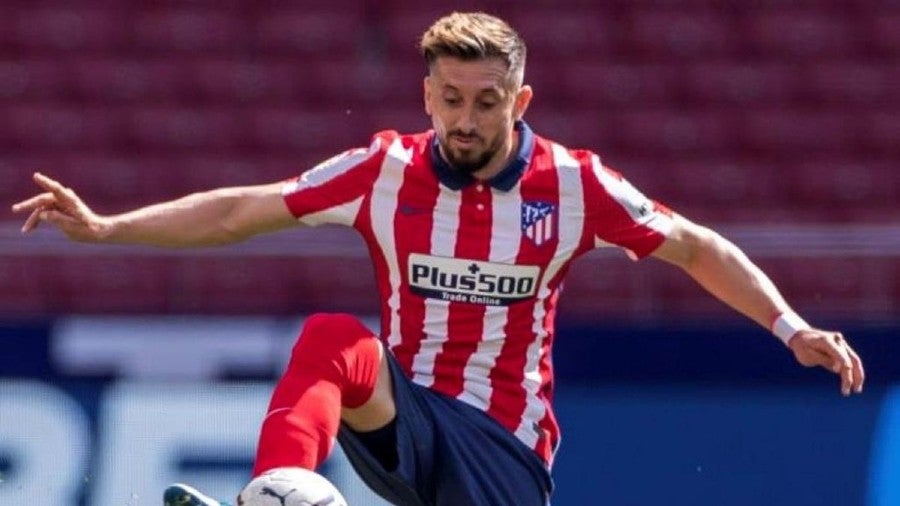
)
(471, 228)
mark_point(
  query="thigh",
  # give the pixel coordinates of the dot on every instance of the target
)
(483, 464)
(403, 486)
(449, 454)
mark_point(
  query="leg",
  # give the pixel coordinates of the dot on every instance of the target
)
(337, 371)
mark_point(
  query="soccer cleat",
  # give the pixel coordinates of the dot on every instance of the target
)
(180, 494)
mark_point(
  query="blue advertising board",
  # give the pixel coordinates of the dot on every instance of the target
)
(106, 411)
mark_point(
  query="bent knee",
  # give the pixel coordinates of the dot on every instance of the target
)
(343, 350)
(331, 333)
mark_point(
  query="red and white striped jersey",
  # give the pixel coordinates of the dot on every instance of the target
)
(469, 272)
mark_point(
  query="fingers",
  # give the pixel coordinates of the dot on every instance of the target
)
(33, 220)
(36, 205)
(42, 200)
(50, 185)
(64, 197)
(54, 217)
(859, 373)
(836, 349)
(59, 219)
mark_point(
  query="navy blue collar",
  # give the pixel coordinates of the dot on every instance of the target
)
(505, 180)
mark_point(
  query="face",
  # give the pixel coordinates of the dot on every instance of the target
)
(473, 110)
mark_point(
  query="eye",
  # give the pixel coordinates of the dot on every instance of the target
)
(452, 101)
(485, 106)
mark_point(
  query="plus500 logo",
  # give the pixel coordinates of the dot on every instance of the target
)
(471, 281)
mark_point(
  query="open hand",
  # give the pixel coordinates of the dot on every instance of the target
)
(60, 206)
(830, 350)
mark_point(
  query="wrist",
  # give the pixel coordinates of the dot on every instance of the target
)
(106, 228)
(787, 324)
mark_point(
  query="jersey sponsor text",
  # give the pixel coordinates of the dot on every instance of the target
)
(471, 281)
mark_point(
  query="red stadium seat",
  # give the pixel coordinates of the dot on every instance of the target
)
(295, 130)
(662, 35)
(797, 35)
(885, 33)
(551, 32)
(311, 33)
(851, 82)
(273, 285)
(597, 83)
(54, 127)
(832, 285)
(28, 283)
(573, 127)
(733, 113)
(210, 170)
(113, 283)
(723, 185)
(245, 81)
(111, 80)
(366, 83)
(792, 131)
(671, 132)
(733, 82)
(176, 128)
(403, 30)
(836, 184)
(116, 183)
(189, 30)
(37, 79)
(48, 29)
(882, 130)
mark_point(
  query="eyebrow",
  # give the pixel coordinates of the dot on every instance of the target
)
(492, 91)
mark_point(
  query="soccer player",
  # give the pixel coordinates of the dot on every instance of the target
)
(471, 227)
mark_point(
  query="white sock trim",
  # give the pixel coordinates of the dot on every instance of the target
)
(270, 413)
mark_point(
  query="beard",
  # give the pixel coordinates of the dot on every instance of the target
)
(467, 161)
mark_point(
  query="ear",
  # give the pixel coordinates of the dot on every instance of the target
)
(426, 88)
(523, 98)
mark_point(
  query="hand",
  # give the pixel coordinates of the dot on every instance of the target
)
(60, 206)
(830, 350)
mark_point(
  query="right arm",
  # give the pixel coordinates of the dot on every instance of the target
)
(211, 218)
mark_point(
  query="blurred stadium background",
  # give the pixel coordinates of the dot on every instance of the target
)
(775, 121)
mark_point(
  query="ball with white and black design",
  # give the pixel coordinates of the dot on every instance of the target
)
(290, 486)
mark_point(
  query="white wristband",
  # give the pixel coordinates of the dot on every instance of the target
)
(788, 324)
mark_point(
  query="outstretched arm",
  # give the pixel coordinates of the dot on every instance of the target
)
(726, 272)
(215, 217)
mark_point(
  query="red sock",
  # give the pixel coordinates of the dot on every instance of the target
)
(334, 363)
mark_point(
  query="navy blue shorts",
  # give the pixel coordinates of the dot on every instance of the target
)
(450, 454)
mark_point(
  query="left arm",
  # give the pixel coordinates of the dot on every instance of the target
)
(725, 271)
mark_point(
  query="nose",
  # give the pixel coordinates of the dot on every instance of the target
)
(467, 121)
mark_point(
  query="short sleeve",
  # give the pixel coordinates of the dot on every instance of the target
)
(333, 191)
(619, 214)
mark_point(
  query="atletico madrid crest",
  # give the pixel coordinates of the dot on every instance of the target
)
(539, 221)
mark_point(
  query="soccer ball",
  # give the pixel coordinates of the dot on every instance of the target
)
(290, 486)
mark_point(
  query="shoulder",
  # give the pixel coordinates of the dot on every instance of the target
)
(392, 138)
(551, 155)
(585, 169)
(401, 149)
(570, 166)
(587, 162)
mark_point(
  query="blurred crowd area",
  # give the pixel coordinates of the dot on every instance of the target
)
(776, 121)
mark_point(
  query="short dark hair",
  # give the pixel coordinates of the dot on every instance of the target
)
(475, 36)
